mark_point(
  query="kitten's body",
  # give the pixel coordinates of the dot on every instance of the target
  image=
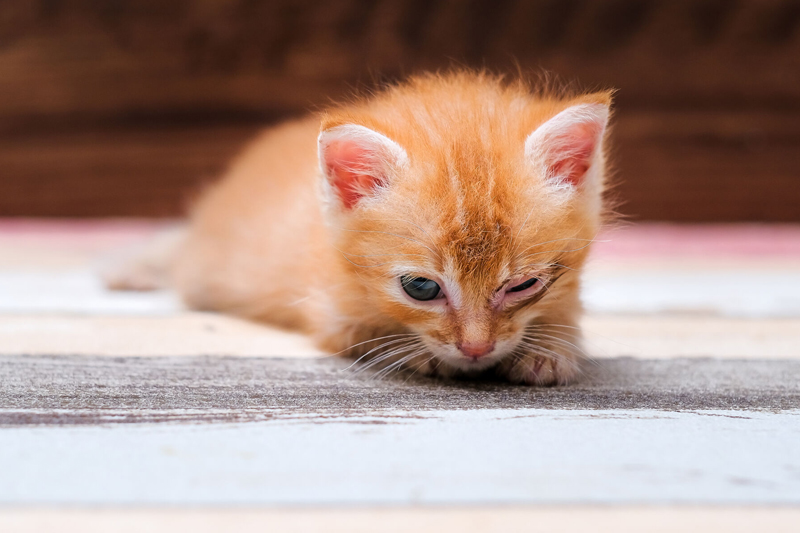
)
(440, 178)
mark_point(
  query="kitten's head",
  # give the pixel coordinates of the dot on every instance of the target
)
(463, 209)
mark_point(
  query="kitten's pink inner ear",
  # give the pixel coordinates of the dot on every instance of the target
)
(349, 170)
(357, 161)
(565, 145)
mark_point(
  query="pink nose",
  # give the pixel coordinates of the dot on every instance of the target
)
(475, 350)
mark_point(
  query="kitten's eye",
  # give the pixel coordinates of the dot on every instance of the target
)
(422, 289)
(525, 285)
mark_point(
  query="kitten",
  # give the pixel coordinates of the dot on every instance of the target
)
(440, 225)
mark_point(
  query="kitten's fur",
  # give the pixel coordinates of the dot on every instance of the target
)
(464, 179)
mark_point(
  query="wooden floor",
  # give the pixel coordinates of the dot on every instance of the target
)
(127, 412)
(501, 519)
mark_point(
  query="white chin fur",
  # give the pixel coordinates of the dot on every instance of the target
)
(470, 366)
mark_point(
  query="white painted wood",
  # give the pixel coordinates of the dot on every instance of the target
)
(434, 457)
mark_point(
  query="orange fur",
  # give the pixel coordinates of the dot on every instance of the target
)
(468, 207)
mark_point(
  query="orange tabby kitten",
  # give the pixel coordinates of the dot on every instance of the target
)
(440, 225)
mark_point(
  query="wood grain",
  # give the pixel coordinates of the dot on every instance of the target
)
(124, 107)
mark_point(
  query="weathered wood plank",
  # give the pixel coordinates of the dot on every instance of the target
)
(123, 108)
(117, 58)
(83, 389)
(687, 166)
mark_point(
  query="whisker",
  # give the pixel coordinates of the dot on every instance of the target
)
(584, 356)
(554, 356)
(385, 344)
(425, 362)
(587, 331)
(553, 329)
(398, 364)
(387, 359)
(541, 350)
(538, 335)
(541, 335)
(377, 359)
(393, 352)
(376, 339)
(556, 359)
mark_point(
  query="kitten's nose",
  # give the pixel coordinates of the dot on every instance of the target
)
(475, 350)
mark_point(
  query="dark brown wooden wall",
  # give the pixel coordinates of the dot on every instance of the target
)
(123, 107)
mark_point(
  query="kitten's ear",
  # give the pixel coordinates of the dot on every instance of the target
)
(564, 147)
(357, 161)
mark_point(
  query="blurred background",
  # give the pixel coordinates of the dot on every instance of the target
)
(126, 107)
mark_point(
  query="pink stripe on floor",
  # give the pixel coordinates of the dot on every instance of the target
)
(642, 240)
(717, 240)
(85, 235)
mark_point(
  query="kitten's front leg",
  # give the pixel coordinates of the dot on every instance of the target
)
(545, 357)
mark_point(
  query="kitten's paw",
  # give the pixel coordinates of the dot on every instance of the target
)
(144, 267)
(543, 371)
(133, 275)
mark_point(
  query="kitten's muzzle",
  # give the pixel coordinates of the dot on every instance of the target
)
(475, 350)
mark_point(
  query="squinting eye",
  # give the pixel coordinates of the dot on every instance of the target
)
(420, 288)
(525, 285)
